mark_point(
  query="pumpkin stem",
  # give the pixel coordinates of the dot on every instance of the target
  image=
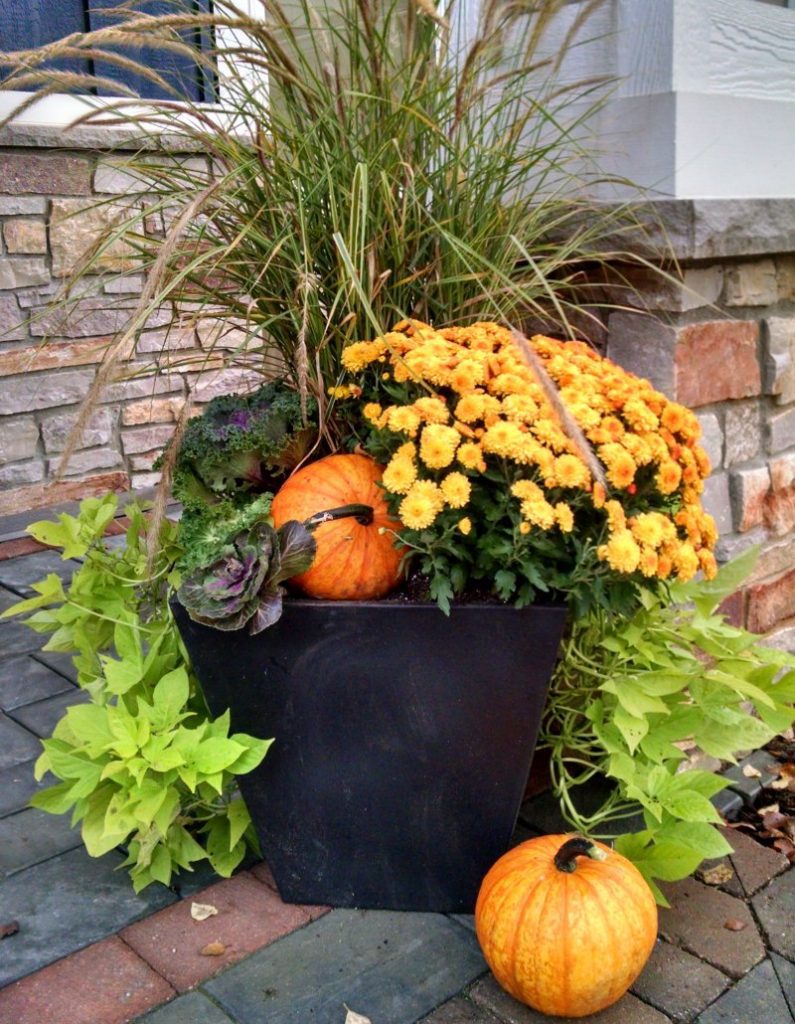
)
(361, 513)
(577, 846)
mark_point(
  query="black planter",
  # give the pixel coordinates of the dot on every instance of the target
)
(403, 742)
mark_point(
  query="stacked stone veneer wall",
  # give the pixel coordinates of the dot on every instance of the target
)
(49, 217)
(722, 343)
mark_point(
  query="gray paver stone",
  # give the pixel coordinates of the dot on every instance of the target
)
(755, 865)
(42, 717)
(696, 921)
(15, 636)
(678, 983)
(18, 573)
(384, 965)
(773, 906)
(628, 1010)
(33, 836)
(24, 680)
(785, 972)
(16, 744)
(67, 903)
(756, 997)
(460, 1011)
(59, 662)
(728, 804)
(192, 1008)
(17, 786)
(750, 788)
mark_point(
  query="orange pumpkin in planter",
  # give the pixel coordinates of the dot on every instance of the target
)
(566, 936)
(354, 560)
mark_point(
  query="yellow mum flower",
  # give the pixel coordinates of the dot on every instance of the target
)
(341, 391)
(403, 421)
(360, 354)
(686, 562)
(527, 490)
(673, 417)
(456, 490)
(372, 412)
(538, 512)
(466, 376)
(708, 564)
(505, 439)
(465, 525)
(668, 476)
(648, 562)
(564, 517)
(470, 455)
(407, 450)
(639, 415)
(399, 475)
(432, 410)
(616, 520)
(421, 505)
(620, 465)
(571, 471)
(438, 445)
(647, 529)
(524, 528)
(520, 408)
(621, 552)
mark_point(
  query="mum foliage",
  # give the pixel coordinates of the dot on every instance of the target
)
(492, 485)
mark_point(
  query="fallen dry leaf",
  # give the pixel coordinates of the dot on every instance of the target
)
(355, 1018)
(201, 911)
(718, 875)
(8, 929)
(751, 773)
(213, 949)
(734, 924)
(770, 809)
(786, 778)
(787, 847)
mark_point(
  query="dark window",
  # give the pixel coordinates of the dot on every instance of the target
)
(25, 24)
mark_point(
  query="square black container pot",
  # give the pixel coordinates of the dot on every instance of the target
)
(402, 742)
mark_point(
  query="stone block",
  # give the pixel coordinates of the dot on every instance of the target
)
(121, 176)
(17, 474)
(716, 361)
(782, 471)
(76, 227)
(644, 346)
(143, 463)
(65, 904)
(51, 356)
(782, 639)
(12, 326)
(28, 298)
(716, 500)
(771, 602)
(41, 495)
(743, 430)
(460, 1011)
(90, 318)
(785, 270)
(712, 437)
(369, 960)
(250, 915)
(487, 995)
(25, 680)
(126, 284)
(42, 717)
(22, 272)
(17, 745)
(773, 906)
(229, 381)
(86, 461)
(780, 511)
(757, 997)
(55, 429)
(695, 922)
(774, 558)
(44, 173)
(44, 390)
(12, 206)
(730, 545)
(145, 439)
(136, 380)
(779, 358)
(144, 481)
(751, 284)
(19, 439)
(167, 339)
(749, 489)
(32, 836)
(152, 410)
(25, 236)
(223, 334)
(678, 983)
(781, 430)
(104, 983)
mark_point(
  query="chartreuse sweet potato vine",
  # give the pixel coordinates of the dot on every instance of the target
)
(630, 692)
(141, 765)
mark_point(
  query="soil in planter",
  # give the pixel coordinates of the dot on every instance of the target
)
(772, 821)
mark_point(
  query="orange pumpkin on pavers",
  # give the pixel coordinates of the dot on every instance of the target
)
(354, 561)
(565, 924)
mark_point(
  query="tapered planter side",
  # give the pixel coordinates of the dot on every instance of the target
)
(403, 741)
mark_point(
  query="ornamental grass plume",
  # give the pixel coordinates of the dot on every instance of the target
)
(489, 482)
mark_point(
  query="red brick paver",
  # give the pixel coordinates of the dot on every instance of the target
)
(106, 983)
(250, 915)
(262, 872)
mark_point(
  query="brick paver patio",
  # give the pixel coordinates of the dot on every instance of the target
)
(88, 951)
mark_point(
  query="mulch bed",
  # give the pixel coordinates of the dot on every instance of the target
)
(772, 820)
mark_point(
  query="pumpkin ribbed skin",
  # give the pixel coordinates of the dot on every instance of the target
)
(567, 944)
(354, 562)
